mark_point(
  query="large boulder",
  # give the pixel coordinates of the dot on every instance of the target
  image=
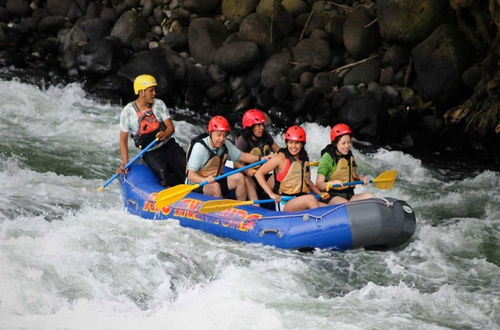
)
(295, 7)
(20, 8)
(95, 28)
(238, 9)
(409, 21)
(276, 67)
(363, 73)
(281, 18)
(205, 36)
(440, 61)
(257, 28)
(360, 40)
(361, 114)
(314, 52)
(130, 25)
(97, 57)
(237, 56)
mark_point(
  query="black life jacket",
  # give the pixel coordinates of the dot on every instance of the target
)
(149, 126)
(260, 147)
(208, 168)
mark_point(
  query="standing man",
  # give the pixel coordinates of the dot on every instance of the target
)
(207, 156)
(146, 119)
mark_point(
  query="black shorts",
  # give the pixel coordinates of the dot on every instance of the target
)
(345, 193)
(223, 187)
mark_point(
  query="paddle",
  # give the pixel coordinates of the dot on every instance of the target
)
(223, 204)
(105, 184)
(385, 180)
(173, 194)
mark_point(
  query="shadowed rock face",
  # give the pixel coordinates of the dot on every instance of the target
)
(390, 69)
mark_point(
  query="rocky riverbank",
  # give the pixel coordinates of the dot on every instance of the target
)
(418, 74)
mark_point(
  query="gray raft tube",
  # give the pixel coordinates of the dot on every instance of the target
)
(385, 224)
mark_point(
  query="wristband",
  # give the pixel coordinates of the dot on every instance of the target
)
(260, 158)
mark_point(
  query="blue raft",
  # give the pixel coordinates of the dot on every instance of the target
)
(377, 223)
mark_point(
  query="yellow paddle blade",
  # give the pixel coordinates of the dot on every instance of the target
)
(173, 194)
(386, 179)
(101, 188)
(221, 205)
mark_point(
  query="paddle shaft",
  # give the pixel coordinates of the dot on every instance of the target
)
(105, 184)
(222, 176)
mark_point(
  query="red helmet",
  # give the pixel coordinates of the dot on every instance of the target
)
(218, 123)
(253, 117)
(295, 133)
(339, 130)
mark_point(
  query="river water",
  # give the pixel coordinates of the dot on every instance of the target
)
(72, 258)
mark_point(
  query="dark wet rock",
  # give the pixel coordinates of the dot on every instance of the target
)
(305, 103)
(196, 75)
(361, 114)
(265, 98)
(335, 28)
(176, 40)
(340, 97)
(313, 52)
(57, 7)
(112, 86)
(396, 56)
(276, 67)
(130, 25)
(4, 15)
(254, 75)
(318, 34)
(432, 124)
(52, 24)
(216, 92)
(281, 18)
(95, 29)
(280, 115)
(257, 28)
(440, 61)
(97, 57)
(387, 76)
(296, 90)
(205, 35)
(359, 38)
(315, 22)
(46, 47)
(281, 90)
(296, 71)
(409, 21)
(471, 76)
(363, 73)
(306, 79)
(216, 73)
(392, 95)
(109, 15)
(147, 9)
(237, 56)
(295, 7)
(20, 8)
(237, 9)
(325, 81)
(199, 6)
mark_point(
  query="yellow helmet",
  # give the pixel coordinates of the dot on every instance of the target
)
(143, 81)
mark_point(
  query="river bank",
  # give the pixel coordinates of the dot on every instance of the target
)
(417, 75)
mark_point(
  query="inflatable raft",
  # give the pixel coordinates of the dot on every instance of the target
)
(377, 223)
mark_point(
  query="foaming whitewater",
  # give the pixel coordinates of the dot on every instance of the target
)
(72, 258)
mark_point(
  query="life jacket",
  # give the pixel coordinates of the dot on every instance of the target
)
(344, 167)
(214, 166)
(261, 146)
(149, 126)
(292, 180)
